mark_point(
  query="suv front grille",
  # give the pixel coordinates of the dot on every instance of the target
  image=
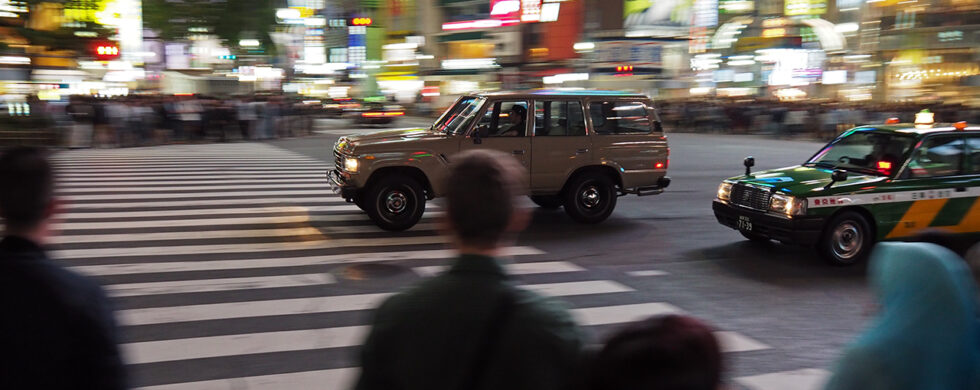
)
(338, 160)
(751, 197)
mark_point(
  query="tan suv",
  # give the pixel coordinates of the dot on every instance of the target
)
(582, 162)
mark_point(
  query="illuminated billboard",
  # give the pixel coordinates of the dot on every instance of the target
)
(805, 7)
(639, 13)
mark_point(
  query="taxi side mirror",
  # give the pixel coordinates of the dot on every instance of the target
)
(838, 175)
(749, 162)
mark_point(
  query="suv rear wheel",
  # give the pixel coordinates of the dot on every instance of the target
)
(847, 239)
(395, 203)
(590, 197)
(548, 202)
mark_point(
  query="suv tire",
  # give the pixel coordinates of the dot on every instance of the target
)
(846, 240)
(590, 197)
(547, 202)
(395, 203)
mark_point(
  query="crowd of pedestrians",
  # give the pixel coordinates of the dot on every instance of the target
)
(156, 119)
(795, 119)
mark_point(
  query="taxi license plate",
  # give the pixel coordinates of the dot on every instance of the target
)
(744, 223)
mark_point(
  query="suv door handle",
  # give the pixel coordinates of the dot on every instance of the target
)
(960, 189)
(518, 152)
(583, 150)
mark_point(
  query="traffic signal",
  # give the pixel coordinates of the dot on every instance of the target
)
(624, 68)
(106, 51)
(228, 57)
(360, 22)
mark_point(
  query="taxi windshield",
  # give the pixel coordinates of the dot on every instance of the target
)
(865, 151)
(457, 119)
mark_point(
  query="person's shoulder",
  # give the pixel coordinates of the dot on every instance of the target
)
(538, 309)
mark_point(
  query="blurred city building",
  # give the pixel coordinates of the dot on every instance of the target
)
(429, 51)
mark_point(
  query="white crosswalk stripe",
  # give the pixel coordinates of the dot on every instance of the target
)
(225, 252)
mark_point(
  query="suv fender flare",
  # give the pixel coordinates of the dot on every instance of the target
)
(403, 170)
(607, 170)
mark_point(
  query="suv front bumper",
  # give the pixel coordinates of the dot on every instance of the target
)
(341, 184)
(803, 230)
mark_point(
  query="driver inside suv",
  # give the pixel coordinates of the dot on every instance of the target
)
(516, 122)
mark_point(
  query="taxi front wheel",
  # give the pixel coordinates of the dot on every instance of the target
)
(847, 239)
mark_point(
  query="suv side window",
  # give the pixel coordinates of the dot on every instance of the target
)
(504, 118)
(620, 117)
(973, 155)
(558, 118)
(938, 156)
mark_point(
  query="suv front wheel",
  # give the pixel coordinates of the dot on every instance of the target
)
(395, 203)
(590, 197)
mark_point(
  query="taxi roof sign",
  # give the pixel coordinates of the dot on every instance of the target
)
(961, 125)
(924, 119)
(891, 121)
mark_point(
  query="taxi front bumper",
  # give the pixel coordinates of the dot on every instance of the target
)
(803, 230)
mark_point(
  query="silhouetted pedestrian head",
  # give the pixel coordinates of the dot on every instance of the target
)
(660, 353)
(26, 188)
(482, 198)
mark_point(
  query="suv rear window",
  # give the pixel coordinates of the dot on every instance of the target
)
(620, 117)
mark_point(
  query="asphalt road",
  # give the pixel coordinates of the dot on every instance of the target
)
(233, 265)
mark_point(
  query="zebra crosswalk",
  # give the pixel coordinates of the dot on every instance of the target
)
(230, 266)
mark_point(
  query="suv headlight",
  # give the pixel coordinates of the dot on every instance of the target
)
(724, 190)
(786, 204)
(350, 164)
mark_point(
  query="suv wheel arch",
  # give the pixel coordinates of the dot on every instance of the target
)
(603, 169)
(413, 172)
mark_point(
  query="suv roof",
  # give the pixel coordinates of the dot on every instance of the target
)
(560, 92)
(909, 128)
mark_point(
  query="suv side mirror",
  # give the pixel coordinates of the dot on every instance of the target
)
(749, 162)
(658, 127)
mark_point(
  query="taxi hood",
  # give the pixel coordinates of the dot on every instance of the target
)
(808, 181)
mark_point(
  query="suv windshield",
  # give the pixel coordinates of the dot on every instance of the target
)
(458, 118)
(866, 152)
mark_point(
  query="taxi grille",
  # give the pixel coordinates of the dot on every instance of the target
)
(751, 197)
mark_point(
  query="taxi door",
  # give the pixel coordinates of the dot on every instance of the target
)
(503, 126)
(938, 189)
(560, 143)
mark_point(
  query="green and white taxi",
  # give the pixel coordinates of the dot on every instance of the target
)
(871, 183)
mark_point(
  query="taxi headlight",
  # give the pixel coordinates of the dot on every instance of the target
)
(724, 190)
(350, 164)
(786, 204)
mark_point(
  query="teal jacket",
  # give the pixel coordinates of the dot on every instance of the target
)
(926, 335)
(427, 338)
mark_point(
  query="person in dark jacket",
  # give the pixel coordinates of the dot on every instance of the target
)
(470, 327)
(57, 330)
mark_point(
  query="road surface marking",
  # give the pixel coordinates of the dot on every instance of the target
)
(338, 378)
(331, 304)
(224, 284)
(805, 379)
(543, 267)
(652, 272)
(278, 262)
(176, 250)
